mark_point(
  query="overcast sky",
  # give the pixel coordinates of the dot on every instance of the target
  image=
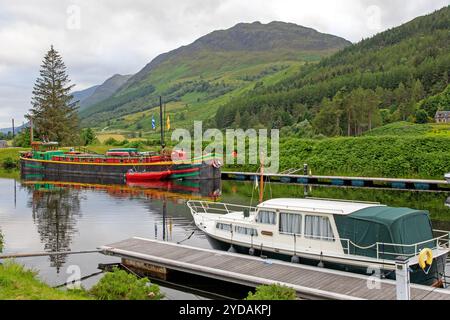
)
(99, 38)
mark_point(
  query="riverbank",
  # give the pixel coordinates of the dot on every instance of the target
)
(384, 156)
(17, 283)
(394, 156)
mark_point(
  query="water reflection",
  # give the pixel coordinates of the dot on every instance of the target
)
(55, 212)
(55, 205)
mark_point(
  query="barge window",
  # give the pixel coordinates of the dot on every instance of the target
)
(246, 231)
(290, 223)
(319, 228)
(266, 217)
(223, 226)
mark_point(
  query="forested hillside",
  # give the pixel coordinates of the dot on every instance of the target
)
(378, 81)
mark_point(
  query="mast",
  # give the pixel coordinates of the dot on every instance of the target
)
(13, 128)
(31, 131)
(261, 187)
(161, 122)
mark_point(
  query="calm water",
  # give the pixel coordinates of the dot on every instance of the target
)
(37, 216)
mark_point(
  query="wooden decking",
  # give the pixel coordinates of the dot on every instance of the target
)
(309, 282)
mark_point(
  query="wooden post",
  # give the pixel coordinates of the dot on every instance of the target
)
(402, 278)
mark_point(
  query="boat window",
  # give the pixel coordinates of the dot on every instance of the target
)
(266, 217)
(319, 228)
(290, 223)
(223, 226)
(246, 231)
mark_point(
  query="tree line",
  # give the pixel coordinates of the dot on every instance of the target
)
(380, 80)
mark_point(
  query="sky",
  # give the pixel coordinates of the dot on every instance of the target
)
(99, 38)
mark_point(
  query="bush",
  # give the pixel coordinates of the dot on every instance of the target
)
(272, 292)
(9, 163)
(1, 241)
(87, 136)
(120, 285)
(111, 142)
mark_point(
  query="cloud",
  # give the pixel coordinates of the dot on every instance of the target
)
(100, 38)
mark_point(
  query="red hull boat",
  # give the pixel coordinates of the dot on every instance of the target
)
(155, 175)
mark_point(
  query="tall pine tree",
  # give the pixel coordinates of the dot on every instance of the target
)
(53, 112)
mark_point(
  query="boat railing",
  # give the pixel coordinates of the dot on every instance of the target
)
(197, 206)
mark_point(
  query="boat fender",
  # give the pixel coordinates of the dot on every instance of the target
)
(425, 258)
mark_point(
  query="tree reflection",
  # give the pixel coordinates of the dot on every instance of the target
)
(55, 212)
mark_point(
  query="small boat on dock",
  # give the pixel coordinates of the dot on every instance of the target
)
(360, 237)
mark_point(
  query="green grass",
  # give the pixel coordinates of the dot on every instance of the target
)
(10, 153)
(409, 129)
(17, 283)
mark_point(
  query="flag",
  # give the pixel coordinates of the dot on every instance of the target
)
(168, 123)
(153, 123)
(256, 182)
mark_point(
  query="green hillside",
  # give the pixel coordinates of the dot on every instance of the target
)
(375, 82)
(195, 80)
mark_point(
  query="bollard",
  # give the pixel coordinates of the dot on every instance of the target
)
(402, 278)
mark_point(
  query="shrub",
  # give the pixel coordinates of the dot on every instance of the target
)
(1, 241)
(120, 285)
(272, 292)
(87, 136)
(110, 141)
(9, 163)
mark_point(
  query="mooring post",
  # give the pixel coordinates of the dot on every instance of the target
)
(402, 278)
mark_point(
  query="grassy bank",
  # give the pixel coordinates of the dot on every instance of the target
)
(385, 156)
(16, 283)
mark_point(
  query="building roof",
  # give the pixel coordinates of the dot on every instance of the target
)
(340, 207)
(443, 113)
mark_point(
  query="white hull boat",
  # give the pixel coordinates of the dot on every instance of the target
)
(354, 236)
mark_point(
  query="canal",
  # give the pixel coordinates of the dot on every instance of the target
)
(79, 215)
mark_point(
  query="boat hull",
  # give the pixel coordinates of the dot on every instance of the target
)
(417, 275)
(205, 170)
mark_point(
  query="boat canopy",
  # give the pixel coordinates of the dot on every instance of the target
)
(392, 228)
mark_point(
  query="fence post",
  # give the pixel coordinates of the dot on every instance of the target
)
(402, 278)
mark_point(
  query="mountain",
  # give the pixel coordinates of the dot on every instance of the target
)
(199, 77)
(377, 81)
(16, 129)
(95, 94)
(82, 95)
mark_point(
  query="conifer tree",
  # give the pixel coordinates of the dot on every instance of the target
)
(53, 112)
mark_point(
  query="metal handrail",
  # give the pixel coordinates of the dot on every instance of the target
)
(215, 206)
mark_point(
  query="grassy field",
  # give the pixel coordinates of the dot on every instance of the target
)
(412, 129)
(17, 283)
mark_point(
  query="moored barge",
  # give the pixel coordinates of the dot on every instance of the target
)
(45, 157)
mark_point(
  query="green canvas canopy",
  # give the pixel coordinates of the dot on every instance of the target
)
(385, 225)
